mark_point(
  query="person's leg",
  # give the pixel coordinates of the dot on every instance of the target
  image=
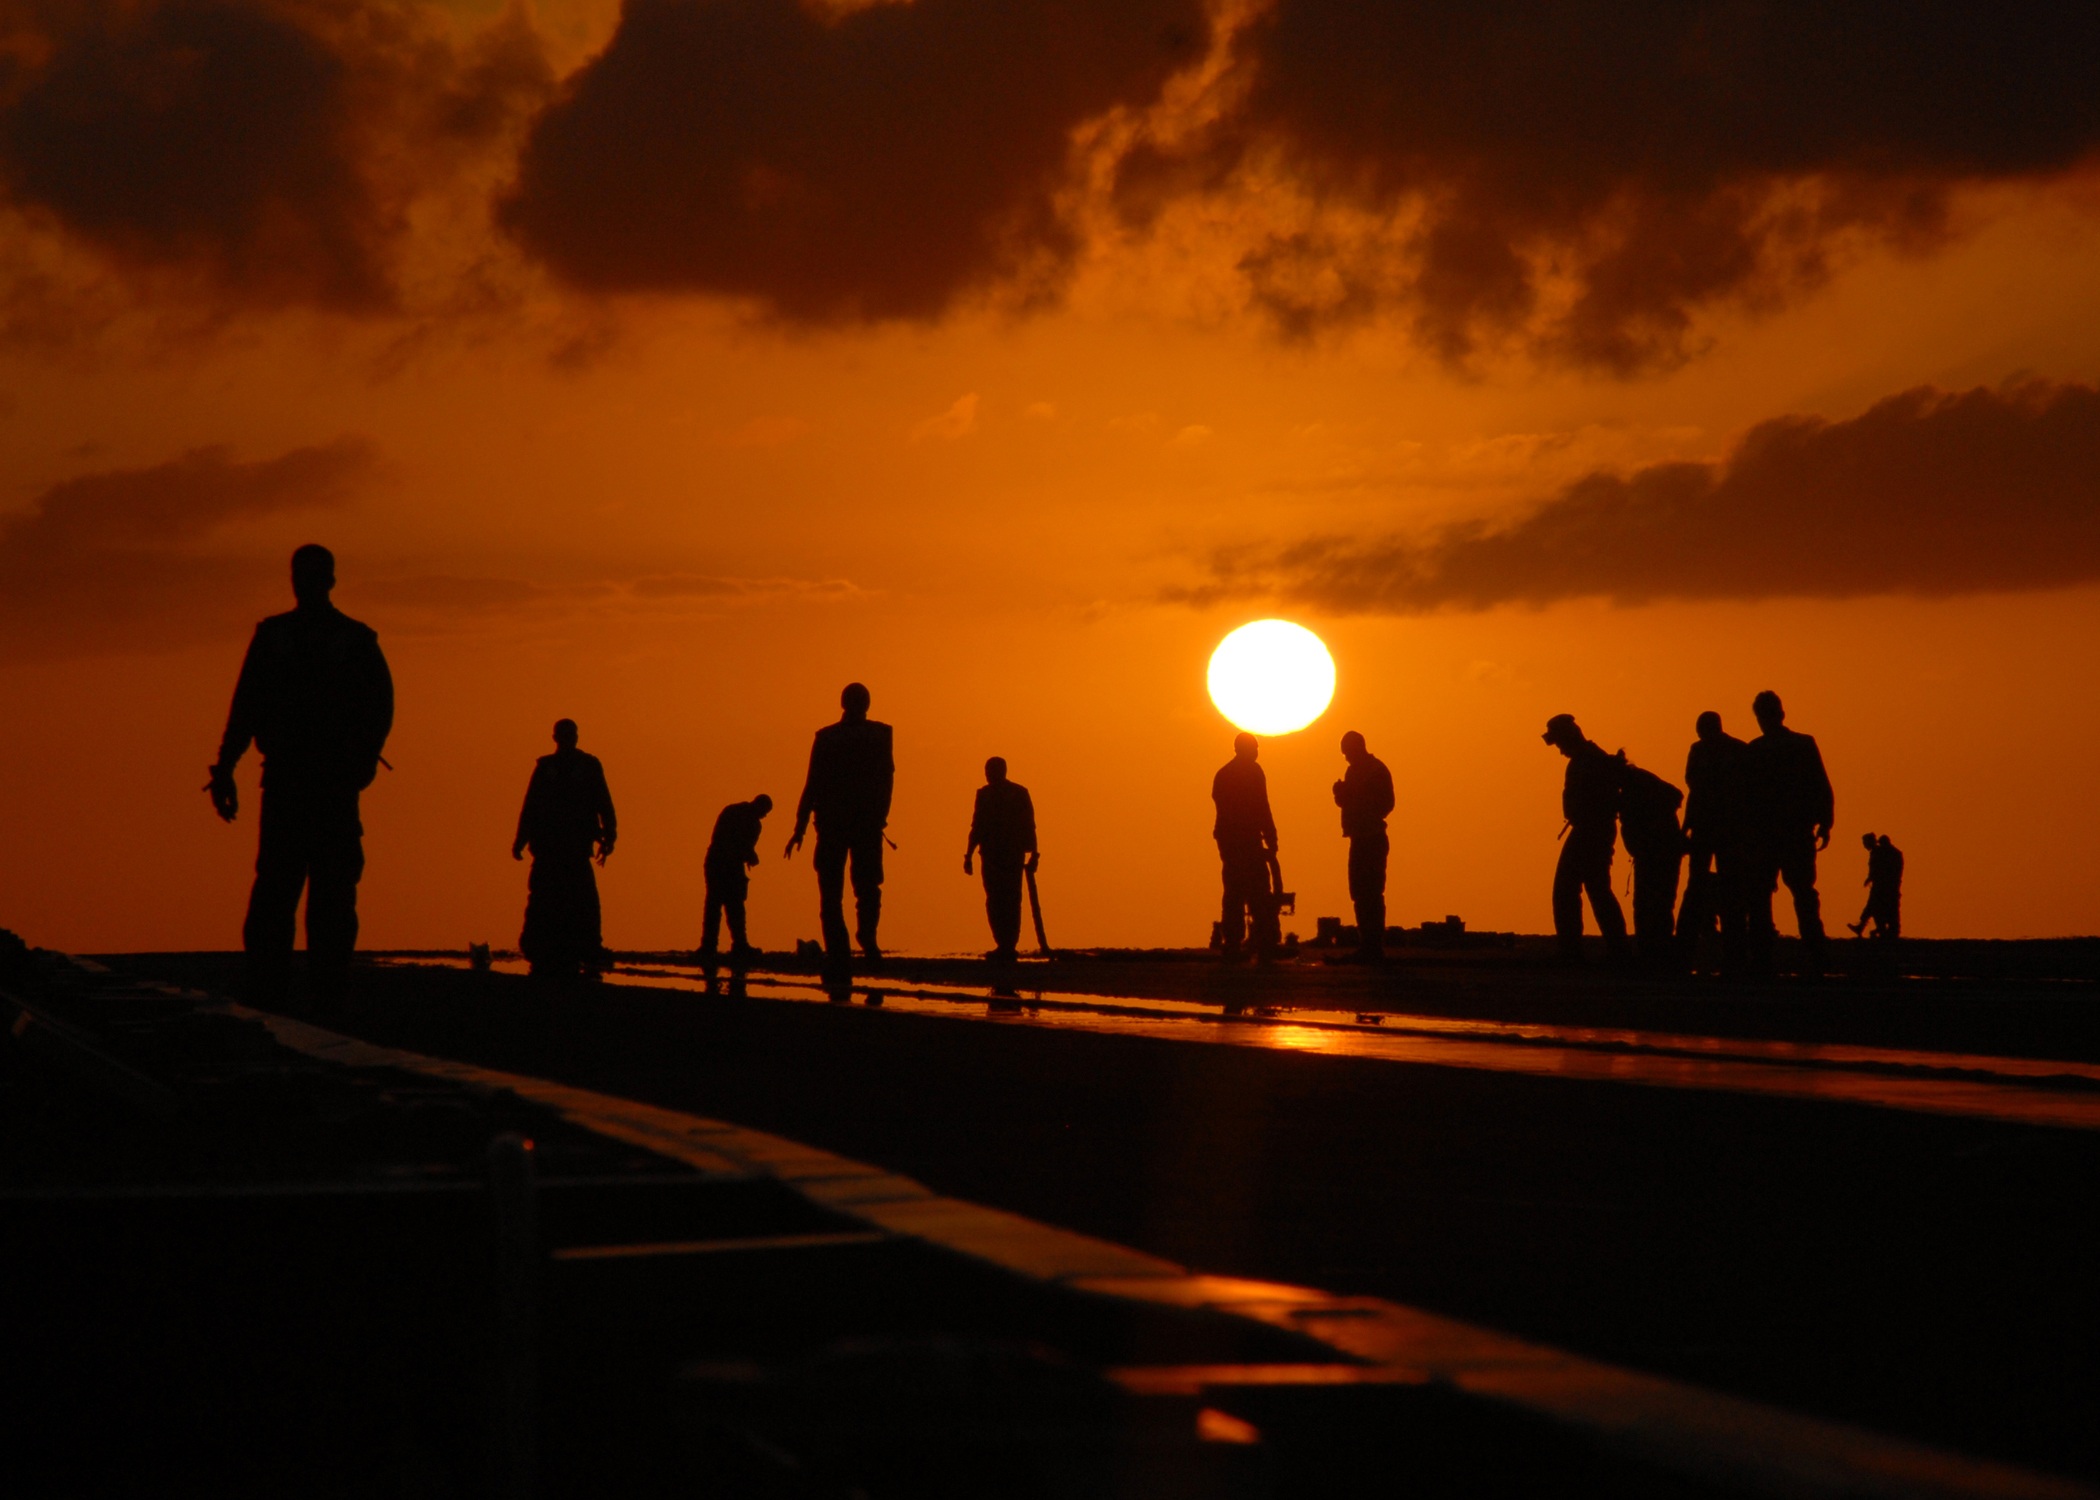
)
(335, 864)
(1567, 900)
(1799, 872)
(1760, 932)
(711, 927)
(1233, 921)
(867, 892)
(271, 927)
(1002, 903)
(1604, 902)
(1695, 914)
(1367, 861)
(733, 913)
(830, 862)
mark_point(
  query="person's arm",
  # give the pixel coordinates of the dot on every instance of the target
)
(1028, 846)
(1268, 819)
(1826, 797)
(976, 830)
(1387, 801)
(523, 841)
(379, 712)
(243, 718)
(888, 785)
(755, 832)
(608, 820)
(808, 804)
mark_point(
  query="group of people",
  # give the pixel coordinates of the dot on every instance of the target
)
(315, 697)
(568, 822)
(1756, 813)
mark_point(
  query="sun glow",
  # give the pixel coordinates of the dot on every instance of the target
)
(1271, 677)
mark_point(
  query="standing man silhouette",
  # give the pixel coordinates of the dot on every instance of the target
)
(1246, 834)
(1715, 829)
(567, 818)
(316, 698)
(1884, 889)
(1792, 809)
(1002, 825)
(1589, 800)
(1365, 796)
(731, 852)
(852, 773)
(1655, 842)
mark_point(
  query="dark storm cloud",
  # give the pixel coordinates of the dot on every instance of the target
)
(1658, 154)
(878, 163)
(1925, 494)
(269, 144)
(112, 561)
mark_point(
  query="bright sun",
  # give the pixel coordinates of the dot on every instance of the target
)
(1271, 677)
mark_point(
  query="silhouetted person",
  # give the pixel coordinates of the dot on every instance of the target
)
(567, 819)
(1791, 810)
(1246, 834)
(315, 697)
(1589, 800)
(1365, 796)
(852, 772)
(1648, 823)
(731, 852)
(1884, 889)
(1715, 828)
(1002, 826)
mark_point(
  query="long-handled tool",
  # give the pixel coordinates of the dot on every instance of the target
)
(1035, 909)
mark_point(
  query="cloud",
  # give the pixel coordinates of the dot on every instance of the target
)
(958, 421)
(267, 148)
(1589, 174)
(448, 601)
(112, 561)
(832, 163)
(1928, 494)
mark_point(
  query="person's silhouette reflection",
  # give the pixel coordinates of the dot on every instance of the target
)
(852, 773)
(1715, 828)
(1365, 796)
(731, 852)
(315, 697)
(1792, 809)
(1245, 831)
(567, 818)
(1002, 827)
(1589, 800)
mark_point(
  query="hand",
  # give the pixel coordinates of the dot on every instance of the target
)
(966, 864)
(1034, 858)
(517, 851)
(605, 848)
(1822, 837)
(793, 844)
(225, 796)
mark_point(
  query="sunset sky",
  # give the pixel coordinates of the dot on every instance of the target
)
(668, 366)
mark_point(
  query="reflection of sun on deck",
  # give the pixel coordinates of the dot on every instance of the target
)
(2038, 1091)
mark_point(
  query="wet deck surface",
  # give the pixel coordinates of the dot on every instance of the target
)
(1827, 1220)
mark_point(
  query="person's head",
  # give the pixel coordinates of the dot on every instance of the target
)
(313, 574)
(1709, 725)
(1867, 839)
(1771, 713)
(1563, 734)
(1245, 747)
(855, 700)
(1353, 748)
(763, 803)
(1886, 842)
(565, 733)
(995, 768)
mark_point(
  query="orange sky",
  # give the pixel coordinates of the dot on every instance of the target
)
(685, 515)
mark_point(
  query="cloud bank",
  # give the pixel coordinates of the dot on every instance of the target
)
(877, 163)
(117, 560)
(1927, 494)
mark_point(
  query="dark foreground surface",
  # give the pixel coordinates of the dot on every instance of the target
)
(1913, 1272)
